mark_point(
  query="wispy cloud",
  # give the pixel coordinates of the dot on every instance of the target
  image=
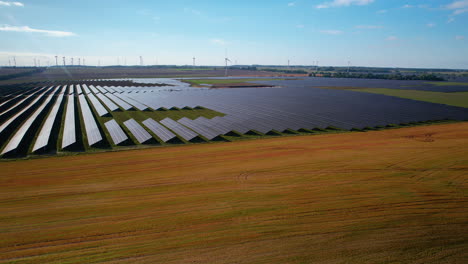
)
(407, 6)
(292, 4)
(430, 25)
(4, 3)
(218, 41)
(192, 11)
(458, 7)
(391, 38)
(383, 11)
(368, 27)
(459, 37)
(331, 32)
(300, 26)
(50, 33)
(340, 3)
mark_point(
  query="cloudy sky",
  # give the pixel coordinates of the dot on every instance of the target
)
(394, 33)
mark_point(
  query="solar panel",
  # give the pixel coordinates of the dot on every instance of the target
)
(78, 89)
(163, 133)
(44, 135)
(93, 89)
(22, 100)
(116, 132)
(119, 101)
(85, 89)
(135, 103)
(19, 135)
(92, 131)
(97, 105)
(107, 102)
(69, 133)
(13, 118)
(199, 128)
(138, 131)
(179, 129)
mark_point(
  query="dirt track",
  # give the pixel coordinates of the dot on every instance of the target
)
(394, 196)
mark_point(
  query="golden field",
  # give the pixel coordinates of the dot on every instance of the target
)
(392, 196)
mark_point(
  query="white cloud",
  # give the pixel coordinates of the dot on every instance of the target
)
(431, 25)
(339, 3)
(458, 4)
(331, 32)
(383, 11)
(450, 20)
(391, 38)
(4, 3)
(218, 41)
(368, 27)
(458, 7)
(300, 26)
(407, 6)
(292, 4)
(459, 37)
(50, 33)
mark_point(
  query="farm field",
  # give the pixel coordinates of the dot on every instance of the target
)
(393, 196)
(459, 99)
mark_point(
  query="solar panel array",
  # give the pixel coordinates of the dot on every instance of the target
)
(295, 106)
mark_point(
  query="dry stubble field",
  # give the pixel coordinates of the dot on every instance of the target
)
(394, 196)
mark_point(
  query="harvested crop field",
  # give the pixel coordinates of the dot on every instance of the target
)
(392, 196)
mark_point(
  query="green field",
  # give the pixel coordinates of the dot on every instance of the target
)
(448, 83)
(459, 99)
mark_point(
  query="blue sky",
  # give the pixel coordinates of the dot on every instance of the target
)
(389, 33)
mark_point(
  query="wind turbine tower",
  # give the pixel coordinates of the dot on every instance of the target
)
(14, 61)
(79, 61)
(71, 61)
(349, 64)
(63, 61)
(193, 61)
(226, 69)
(141, 61)
(56, 60)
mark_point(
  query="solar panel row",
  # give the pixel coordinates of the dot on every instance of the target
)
(107, 102)
(117, 134)
(19, 135)
(163, 133)
(92, 131)
(119, 102)
(205, 131)
(46, 130)
(69, 133)
(14, 117)
(137, 131)
(179, 129)
(101, 110)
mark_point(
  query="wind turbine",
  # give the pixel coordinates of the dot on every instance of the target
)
(226, 60)
(56, 60)
(63, 61)
(193, 61)
(71, 61)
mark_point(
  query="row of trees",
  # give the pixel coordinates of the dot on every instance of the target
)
(424, 77)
